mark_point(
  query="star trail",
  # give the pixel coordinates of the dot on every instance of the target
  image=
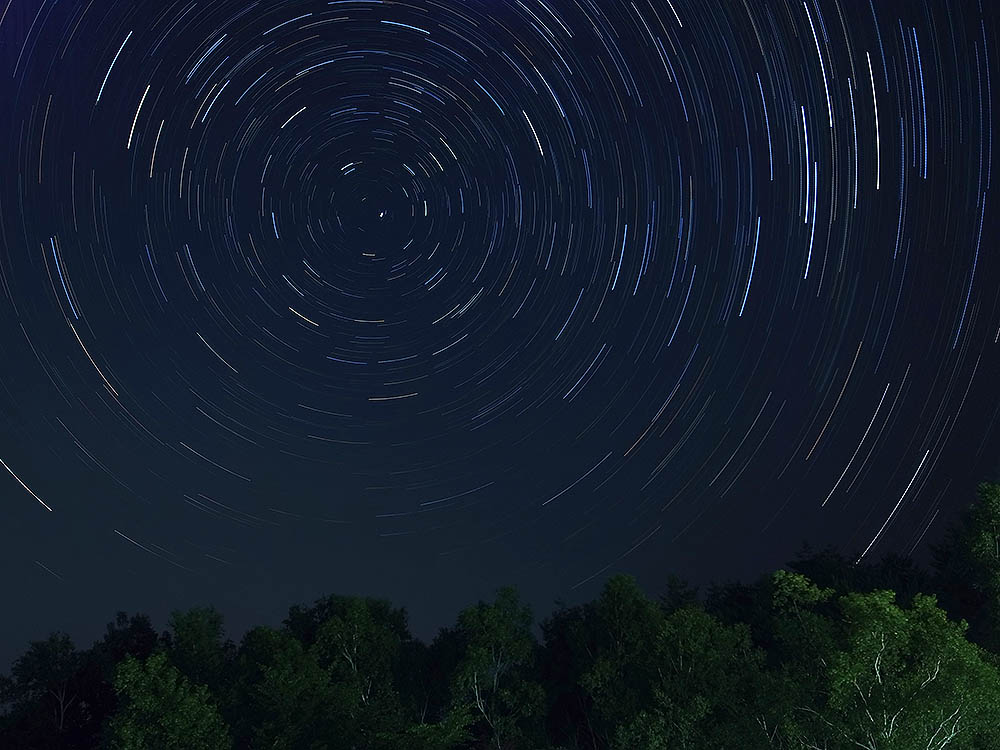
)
(420, 298)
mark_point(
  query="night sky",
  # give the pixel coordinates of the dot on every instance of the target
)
(417, 299)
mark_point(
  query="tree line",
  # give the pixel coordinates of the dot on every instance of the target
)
(826, 654)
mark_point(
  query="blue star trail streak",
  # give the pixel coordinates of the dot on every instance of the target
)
(412, 297)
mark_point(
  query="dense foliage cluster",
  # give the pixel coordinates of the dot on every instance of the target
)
(827, 654)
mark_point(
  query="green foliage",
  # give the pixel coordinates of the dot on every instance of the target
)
(827, 655)
(570, 643)
(676, 594)
(304, 622)
(43, 689)
(904, 678)
(622, 675)
(60, 697)
(126, 636)
(967, 565)
(443, 657)
(451, 732)
(197, 646)
(45, 670)
(161, 709)
(493, 680)
(982, 537)
(359, 651)
(801, 632)
(284, 698)
(793, 591)
(829, 568)
(705, 690)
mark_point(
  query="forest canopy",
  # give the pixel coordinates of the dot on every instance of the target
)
(825, 653)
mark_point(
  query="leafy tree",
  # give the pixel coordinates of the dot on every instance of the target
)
(196, 645)
(160, 709)
(676, 594)
(304, 623)
(430, 720)
(706, 690)
(44, 692)
(748, 603)
(830, 568)
(282, 697)
(967, 566)
(449, 733)
(125, 636)
(443, 657)
(570, 647)
(829, 654)
(360, 651)
(413, 682)
(801, 624)
(800, 631)
(494, 679)
(902, 679)
(625, 624)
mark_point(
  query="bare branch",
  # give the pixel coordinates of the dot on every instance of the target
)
(878, 659)
(952, 732)
(933, 676)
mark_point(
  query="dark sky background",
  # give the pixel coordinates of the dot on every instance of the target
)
(417, 299)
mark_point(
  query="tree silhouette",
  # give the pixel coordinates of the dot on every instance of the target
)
(494, 678)
(43, 690)
(827, 654)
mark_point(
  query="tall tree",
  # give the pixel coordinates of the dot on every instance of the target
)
(967, 566)
(570, 647)
(495, 678)
(360, 651)
(443, 657)
(197, 646)
(624, 627)
(899, 679)
(43, 691)
(125, 636)
(160, 709)
(282, 698)
(707, 690)
(801, 627)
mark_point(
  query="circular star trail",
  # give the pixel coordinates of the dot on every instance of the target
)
(573, 284)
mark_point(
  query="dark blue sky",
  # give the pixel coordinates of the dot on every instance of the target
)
(419, 299)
